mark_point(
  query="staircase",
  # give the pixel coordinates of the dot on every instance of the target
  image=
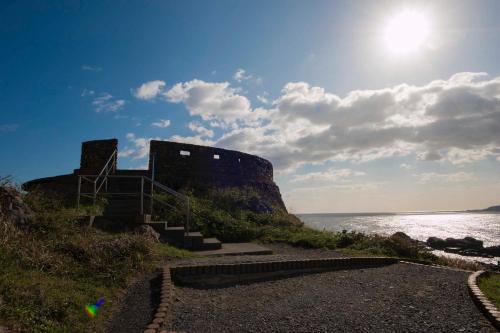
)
(131, 198)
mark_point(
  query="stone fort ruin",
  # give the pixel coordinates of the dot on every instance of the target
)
(178, 166)
(173, 168)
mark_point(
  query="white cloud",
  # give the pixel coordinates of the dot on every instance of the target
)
(328, 175)
(262, 98)
(91, 68)
(407, 166)
(198, 128)
(162, 123)
(455, 120)
(87, 92)
(432, 177)
(211, 101)
(194, 140)
(106, 103)
(240, 75)
(452, 121)
(149, 90)
(140, 147)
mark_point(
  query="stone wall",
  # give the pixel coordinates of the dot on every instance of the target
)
(208, 164)
(199, 167)
(95, 154)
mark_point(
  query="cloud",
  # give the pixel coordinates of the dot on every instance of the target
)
(8, 127)
(240, 75)
(106, 103)
(194, 140)
(198, 128)
(149, 90)
(87, 92)
(451, 121)
(262, 98)
(140, 147)
(455, 120)
(432, 177)
(211, 101)
(162, 123)
(91, 68)
(406, 166)
(328, 175)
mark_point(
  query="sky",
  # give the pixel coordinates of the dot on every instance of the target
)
(361, 106)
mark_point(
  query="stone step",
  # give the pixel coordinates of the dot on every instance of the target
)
(211, 244)
(175, 233)
(193, 240)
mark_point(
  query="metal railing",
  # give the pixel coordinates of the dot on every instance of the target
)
(109, 167)
(98, 181)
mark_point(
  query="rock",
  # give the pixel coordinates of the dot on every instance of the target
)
(465, 243)
(493, 209)
(436, 243)
(402, 236)
(468, 243)
(493, 250)
(148, 231)
(13, 209)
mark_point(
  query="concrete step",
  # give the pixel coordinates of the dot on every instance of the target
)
(210, 244)
(175, 233)
(193, 240)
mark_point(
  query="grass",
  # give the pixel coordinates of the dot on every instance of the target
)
(489, 284)
(52, 266)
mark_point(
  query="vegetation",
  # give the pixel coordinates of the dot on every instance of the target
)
(52, 265)
(215, 216)
(489, 284)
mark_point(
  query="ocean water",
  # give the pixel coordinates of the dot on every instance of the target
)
(482, 226)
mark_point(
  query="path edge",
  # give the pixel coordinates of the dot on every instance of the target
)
(481, 301)
(163, 313)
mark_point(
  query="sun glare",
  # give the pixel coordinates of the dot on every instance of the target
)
(407, 32)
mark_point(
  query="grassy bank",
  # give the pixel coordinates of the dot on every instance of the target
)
(52, 266)
(215, 216)
(490, 286)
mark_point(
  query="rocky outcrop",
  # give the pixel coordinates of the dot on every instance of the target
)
(13, 209)
(493, 209)
(467, 246)
(148, 232)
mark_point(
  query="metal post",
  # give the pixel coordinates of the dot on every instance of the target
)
(187, 216)
(79, 191)
(152, 184)
(142, 195)
(95, 192)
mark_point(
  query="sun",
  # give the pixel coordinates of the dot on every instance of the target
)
(407, 32)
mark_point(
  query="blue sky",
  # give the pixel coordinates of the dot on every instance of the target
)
(310, 85)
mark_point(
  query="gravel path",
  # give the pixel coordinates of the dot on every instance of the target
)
(280, 252)
(396, 298)
(138, 306)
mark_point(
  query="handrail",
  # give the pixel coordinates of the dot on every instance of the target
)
(175, 194)
(106, 169)
(142, 193)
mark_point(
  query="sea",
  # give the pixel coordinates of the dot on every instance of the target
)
(417, 225)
